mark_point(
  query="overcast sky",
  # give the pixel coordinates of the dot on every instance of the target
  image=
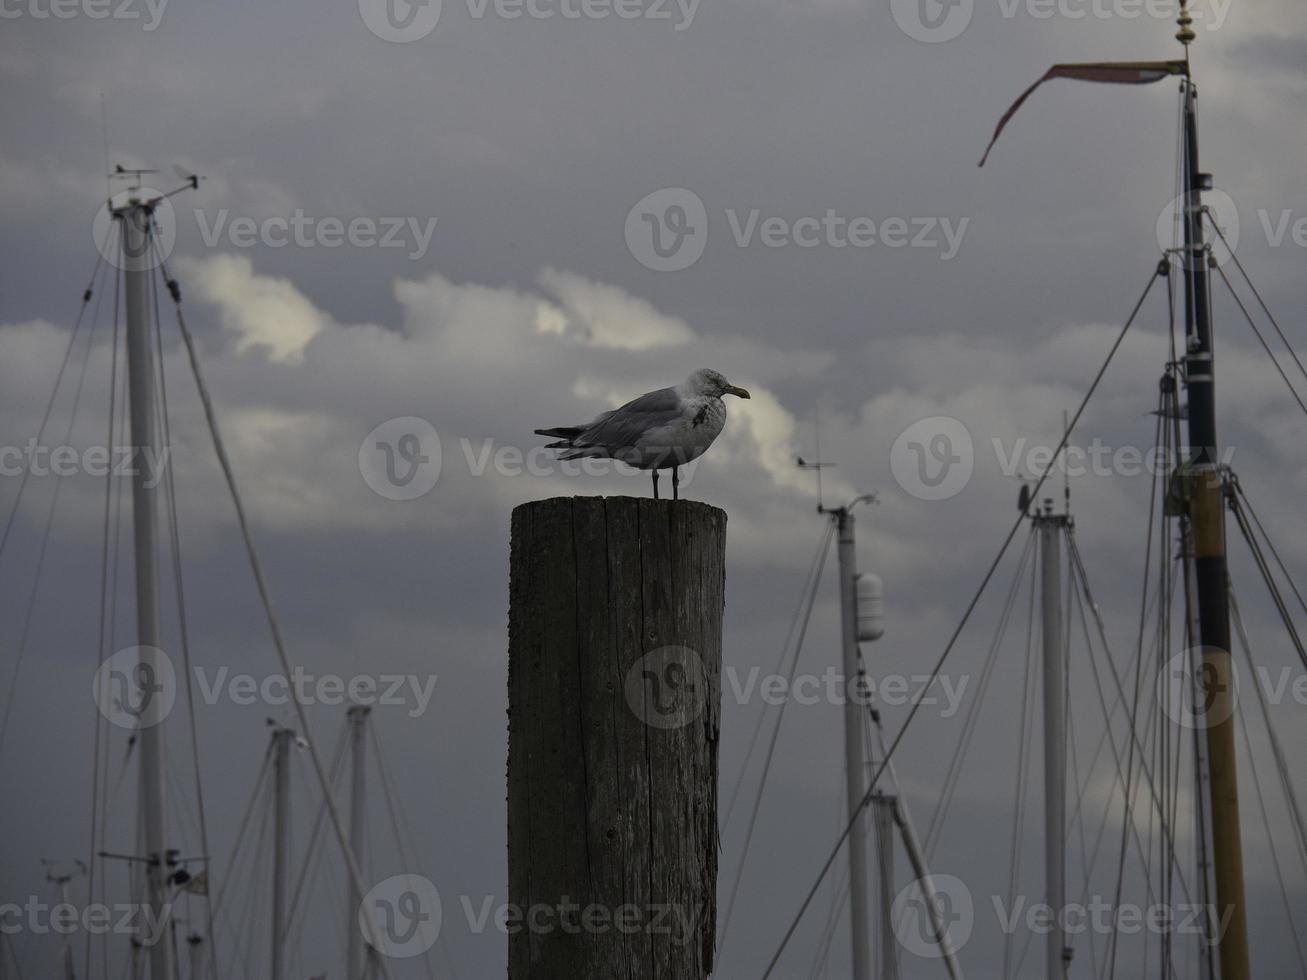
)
(452, 221)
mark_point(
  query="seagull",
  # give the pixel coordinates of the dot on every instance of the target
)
(661, 429)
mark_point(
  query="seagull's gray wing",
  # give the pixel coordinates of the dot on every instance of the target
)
(623, 427)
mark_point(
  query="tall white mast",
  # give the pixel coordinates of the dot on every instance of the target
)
(135, 219)
(357, 717)
(853, 755)
(1050, 527)
(282, 739)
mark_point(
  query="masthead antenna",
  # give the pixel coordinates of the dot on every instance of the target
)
(1186, 33)
(817, 465)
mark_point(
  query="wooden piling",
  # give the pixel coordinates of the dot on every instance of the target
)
(614, 684)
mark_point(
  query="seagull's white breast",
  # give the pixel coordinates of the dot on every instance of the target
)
(687, 436)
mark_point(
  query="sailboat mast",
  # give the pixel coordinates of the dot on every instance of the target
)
(1050, 527)
(883, 812)
(357, 717)
(1210, 572)
(281, 742)
(135, 219)
(853, 754)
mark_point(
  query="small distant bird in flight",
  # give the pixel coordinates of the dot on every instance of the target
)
(662, 429)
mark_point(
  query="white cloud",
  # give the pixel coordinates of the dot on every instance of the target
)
(264, 311)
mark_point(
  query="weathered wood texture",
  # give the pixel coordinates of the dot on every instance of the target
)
(614, 689)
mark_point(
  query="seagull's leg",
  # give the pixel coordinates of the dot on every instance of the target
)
(655, 479)
(676, 484)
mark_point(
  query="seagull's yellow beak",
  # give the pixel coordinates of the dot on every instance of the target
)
(737, 392)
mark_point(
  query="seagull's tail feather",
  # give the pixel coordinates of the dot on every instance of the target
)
(567, 444)
(565, 432)
(579, 452)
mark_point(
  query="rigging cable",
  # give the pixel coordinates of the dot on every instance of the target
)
(58, 483)
(1024, 734)
(242, 827)
(104, 641)
(966, 616)
(1265, 570)
(403, 838)
(1257, 785)
(817, 558)
(1260, 302)
(823, 550)
(940, 814)
(174, 536)
(1127, 800)
(1299, 827)
(1082, 575)
(337, 758)
(1262, 340)
(261, 585)
(1268, 542)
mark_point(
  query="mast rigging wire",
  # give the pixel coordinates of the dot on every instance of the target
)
(175, 548)
(58, 484)
(103, 642)
(823, 551)
(1128, 819)
(1161, 270)
(1262, 303)
(1261, 799)
(817, 557)
(261, 585)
